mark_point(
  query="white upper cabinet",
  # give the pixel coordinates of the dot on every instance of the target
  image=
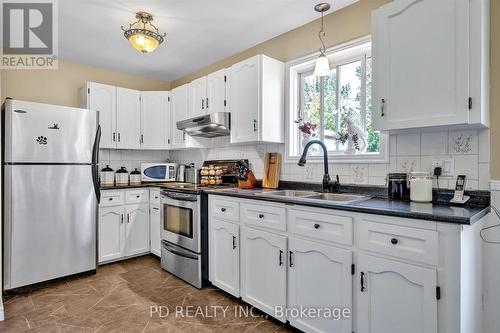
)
(179, 109)
(395, 297)
(102, 98)
(255, 92)
(430, 61)
(155, 120)
(198, 97)
(216, 92)
(128, 118)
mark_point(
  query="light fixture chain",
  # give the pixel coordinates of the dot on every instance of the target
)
(322, 34)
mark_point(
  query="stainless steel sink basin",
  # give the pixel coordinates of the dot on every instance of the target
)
(290, 193)
(339, 197)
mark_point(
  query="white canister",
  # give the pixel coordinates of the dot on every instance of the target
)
(135, 177)
(420, 187)
(121, 177)
(107, 176)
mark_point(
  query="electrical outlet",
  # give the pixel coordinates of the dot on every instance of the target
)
(447, 165)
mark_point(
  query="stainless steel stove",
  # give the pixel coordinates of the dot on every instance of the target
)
(184, 231)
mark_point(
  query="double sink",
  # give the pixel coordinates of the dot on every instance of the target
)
(339, 198)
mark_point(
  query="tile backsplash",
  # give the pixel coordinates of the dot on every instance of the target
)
(130, 159)
(409, 151)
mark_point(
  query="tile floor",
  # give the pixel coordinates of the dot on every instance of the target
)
(119, 299)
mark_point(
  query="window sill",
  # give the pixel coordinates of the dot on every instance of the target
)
(342, 159)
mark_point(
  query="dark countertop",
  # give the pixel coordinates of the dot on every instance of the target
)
(439, 212)
(376, 205)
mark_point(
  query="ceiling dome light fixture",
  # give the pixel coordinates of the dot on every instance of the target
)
(142, 34)
(322, 67)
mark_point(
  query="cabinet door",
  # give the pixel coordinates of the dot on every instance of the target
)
(216, 92)
(137, 231)
(179, 109)
(128, 118)
(197, 97)
(420, 64)
(224, 256)
(102, 98)
(394, 297)
(154, 119)
(243, 96)
(155, 226)
(263, 269)
(111, 237)
(332, 288)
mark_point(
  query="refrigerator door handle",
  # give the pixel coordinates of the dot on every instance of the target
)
(95, 160)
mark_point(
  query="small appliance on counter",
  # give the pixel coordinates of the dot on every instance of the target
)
(121, 177)
(398, 186)
(158, 172)
(420, 187)
(181, 173)
(458, 195)
(135, 177)
(191, 174)
(107, 176)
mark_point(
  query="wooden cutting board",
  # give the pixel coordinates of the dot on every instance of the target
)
(272, 169)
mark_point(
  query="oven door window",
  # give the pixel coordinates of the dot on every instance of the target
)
(178, 220)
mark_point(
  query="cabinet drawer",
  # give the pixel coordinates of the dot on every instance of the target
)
(402, 242)
(111, 198)
(137, 196)
(260, 215)
(154, 197)
(325, 226)
(224, 209)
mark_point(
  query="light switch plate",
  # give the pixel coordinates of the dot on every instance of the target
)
(447, 165)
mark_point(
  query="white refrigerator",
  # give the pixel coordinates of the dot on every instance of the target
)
(50, 191)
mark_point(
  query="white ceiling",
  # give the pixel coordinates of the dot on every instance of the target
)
(199, 32)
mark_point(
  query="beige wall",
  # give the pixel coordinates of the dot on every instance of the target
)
(62, 86)
(341, 26)
(495, 90)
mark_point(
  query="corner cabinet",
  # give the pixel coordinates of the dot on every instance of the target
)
(255, 91)
(155, 120)
(430, 63)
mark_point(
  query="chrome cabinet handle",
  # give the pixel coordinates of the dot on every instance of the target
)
(118, 137)
(207, 103)
(382, 108)
(362, 281)
(114, 137)
(290, 259)
(255, 125)
(121, 218)
(128, 218)
(142, 138)
(183, 136)
(202, 103)
(281, 258)
(234, 242)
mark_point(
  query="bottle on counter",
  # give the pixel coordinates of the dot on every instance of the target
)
(135, 177)
(107, 176)
(121, 177)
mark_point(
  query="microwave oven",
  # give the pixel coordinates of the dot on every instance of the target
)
(158, 172)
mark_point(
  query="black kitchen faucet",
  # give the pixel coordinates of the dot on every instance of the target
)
(329, 186)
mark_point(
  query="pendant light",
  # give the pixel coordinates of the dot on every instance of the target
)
(142, 34)
(322, 67)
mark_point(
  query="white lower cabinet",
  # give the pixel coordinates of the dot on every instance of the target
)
(123, 229)
(319, 277)
(111, 238)
(137, 230)
(395, 297)
(263, 270)
(224, 256)
(155, 231)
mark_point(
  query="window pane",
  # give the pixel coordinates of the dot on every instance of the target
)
(330, 109)
(373, 137)
(350, 94)
(311, 88)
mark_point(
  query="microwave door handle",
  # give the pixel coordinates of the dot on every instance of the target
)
(179, 253)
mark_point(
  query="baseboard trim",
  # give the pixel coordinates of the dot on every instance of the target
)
(495, 185)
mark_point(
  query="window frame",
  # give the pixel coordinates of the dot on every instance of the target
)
(340, 55)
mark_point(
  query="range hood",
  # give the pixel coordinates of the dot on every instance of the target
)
(208, 126)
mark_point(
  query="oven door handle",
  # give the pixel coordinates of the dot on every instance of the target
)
(179, 253)
(180, 196)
